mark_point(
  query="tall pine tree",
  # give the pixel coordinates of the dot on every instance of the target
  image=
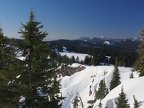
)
(116, 78)
(102, 91)
(139, 64)
(37, 79)
(77, 101)
(122, 101)
(136, 103)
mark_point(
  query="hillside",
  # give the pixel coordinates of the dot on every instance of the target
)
(85, 83)
(88, 79)
(126, 44)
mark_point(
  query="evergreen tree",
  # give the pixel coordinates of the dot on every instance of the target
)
(131, 75)
(102, 91)
(73, 59)
(122, 101)
(9, 94)
(91, 102)
(77, 59)
(90, 91)
(76, 102)
(139, 64)
(87, 60)
(100, 104)
(65, 59)
(94, 60)
(59, 59)
(116, 78)
(37, 79)
(136, 103)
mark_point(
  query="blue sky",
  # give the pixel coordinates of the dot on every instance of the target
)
(72, 19)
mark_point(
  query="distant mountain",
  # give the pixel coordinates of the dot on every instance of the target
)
(125, 44)
(103, 39)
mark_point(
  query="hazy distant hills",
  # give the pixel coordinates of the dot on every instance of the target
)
(125, 44)
(108, 41)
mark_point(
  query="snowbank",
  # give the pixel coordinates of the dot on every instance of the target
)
(88, 79)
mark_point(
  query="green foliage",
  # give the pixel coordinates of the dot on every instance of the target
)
(94, 60)
(38, 82)
(65, 59)
(102, 91)
(136, 103)
(139, 64)
(116, 78)
(91, 103)
(76, 102)
(9, 93)
(87, 60)
(122, 101)
(73, 59)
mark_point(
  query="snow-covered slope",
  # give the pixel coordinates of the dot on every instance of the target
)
(80, 84)
(131, 87)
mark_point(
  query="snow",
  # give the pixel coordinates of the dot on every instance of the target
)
(75, 65)
(22, 99)
(106, 42)
(21, 58)
(18, 76)
(131, 87)
(81, 82)
(88, 79)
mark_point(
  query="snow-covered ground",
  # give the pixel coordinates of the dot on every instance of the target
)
(80, 83)
(88, 79)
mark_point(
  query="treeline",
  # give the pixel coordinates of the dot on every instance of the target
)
(100, 55)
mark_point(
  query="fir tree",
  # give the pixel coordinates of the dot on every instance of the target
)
(87, 60)
(65, 59)
(91, 102)
(136, 103)
(9, 94)
(131, 75)
(139, 64)
(122, 101)
(90, 91)
(37, 79)
(76, 102)
(77, 59)
(102, 91)
(73, 59)
(116, 78)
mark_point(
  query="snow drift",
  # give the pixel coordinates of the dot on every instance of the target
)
(88, 79)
